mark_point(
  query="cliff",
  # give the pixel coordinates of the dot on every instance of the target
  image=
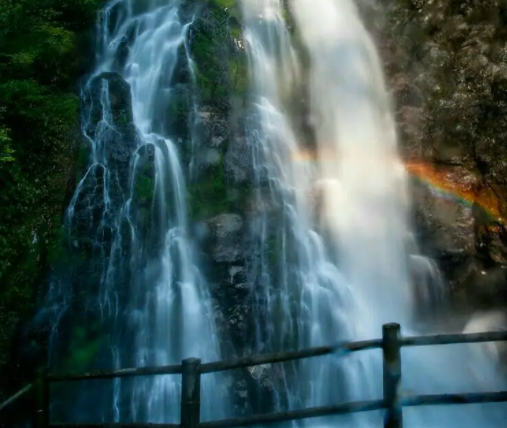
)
(44, 50)
(447, 67)
(446, 64)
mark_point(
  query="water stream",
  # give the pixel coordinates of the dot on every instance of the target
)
(152, 302)
(334, 256)
(351, 266)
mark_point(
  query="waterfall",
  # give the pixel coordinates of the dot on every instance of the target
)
(128, 217)
(336, 209)
(296, 292)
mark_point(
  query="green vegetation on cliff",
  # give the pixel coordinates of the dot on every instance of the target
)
(44, 49)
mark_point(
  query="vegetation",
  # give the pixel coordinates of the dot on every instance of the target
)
(208, 196)
(213, 50)
(85, 344)
(144, 187)
(44, 49)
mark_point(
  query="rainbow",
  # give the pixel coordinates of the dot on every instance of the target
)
(443, 183)
(446, 185)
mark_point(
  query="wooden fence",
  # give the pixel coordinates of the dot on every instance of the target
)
(191, 370)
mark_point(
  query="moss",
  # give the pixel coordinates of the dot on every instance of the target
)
(84, 348)
(272, 251)
(221, 3)
(57, 249)
(236, 33)
(59, 253)
(43, 51)
(210, 50)
(82, 160)
(123, 118)
(144, 187)
(209, 70)
(224, 3)
(208, 196)
(238, 68)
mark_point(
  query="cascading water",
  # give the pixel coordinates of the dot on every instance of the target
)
(347, 285)
(129, 215)
(298, 292)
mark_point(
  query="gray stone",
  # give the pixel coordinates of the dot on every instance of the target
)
(212, 128)
(208, 157)
(227, 233)
(238, 161)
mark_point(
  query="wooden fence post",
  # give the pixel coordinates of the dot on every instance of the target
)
(40, 399)
(392, 375)
(190, 393)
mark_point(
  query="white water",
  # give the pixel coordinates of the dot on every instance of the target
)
(356, 279)
(298, 294)
(167, 316)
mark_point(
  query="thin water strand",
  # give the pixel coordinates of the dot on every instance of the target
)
(153, 299)
(363, 199)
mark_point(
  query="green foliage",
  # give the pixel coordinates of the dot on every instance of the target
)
(209, 79)
(272, 251)
(210, 51)
(208, 197)
(238, 68)
(223, 3)
(83, 349)
(5, 151)
(43, 51)
(144, 187)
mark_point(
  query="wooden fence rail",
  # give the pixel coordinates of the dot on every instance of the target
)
(191, 370)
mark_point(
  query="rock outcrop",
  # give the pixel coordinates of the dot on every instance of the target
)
(447, 68)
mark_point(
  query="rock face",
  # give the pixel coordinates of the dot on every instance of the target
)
(108, 124)
(447, 68)
(227, 246)
(238, 162)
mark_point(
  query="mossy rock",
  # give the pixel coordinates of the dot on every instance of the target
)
(143, 188)
(210, 48)
(208, 196)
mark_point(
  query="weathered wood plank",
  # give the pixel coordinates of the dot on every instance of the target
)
(361, 406)
(141, 371)
(16, 396)
(190, 412)
(271, 418)
(451, 339)
(114, 425)
(446, 399)
(40, 401)
(278, 357)
(392, 375)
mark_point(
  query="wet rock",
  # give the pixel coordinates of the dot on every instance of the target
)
(409, 121)
(238, 161)
(174, 111)
(497, 246)
(238, 311)
(495, 351)
(110, 88)
(263, 375)
(487, 287)
(207, 158)
(240, 395)
(447, 72)
(212, 128)
(88, 207)
(227, 238)
(109, 121)
(449, 226)
(182, 72)
(210, 44)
